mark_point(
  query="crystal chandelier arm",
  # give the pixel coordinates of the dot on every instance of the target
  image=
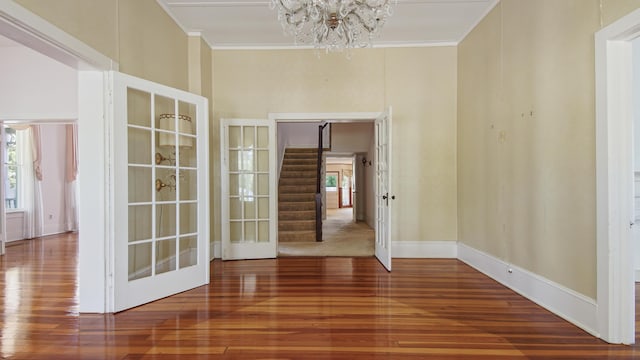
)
(361, 21)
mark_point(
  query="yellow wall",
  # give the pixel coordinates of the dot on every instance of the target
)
(612, 10)
(420, 84)
(526, 136)
(137, 34)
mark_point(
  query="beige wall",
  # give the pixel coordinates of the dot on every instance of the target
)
(526, 136)
(420, 84)
(137, 34)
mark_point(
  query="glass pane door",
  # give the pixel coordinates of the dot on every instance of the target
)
(164, 198)
(383, 188)
(249, 206)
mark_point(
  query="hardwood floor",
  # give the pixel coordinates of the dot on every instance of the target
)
(289, 308)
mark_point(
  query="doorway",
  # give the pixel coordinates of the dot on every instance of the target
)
(363, 197)
(614, 179)
(342, 187)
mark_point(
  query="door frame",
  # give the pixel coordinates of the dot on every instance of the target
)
(30, 30)
(614, 181)
(339, 117)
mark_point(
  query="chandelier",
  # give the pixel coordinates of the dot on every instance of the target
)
(334, 25)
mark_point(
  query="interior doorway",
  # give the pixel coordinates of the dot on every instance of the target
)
(614, 179)
(347, 182)
(341, 184)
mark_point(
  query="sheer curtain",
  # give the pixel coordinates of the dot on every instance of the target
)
(29, 194)
(71, 176)
(36, 220)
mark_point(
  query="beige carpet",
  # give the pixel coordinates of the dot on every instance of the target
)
(341, 237)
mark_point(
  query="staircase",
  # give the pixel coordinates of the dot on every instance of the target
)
(296, 199)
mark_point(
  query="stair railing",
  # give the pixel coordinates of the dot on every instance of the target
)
(318, 184)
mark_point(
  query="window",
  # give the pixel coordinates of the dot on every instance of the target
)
(331, 181)
(12, 169)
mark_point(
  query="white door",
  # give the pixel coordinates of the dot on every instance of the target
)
(249, 192)
(384, 198)
(160, 190)
(3, 174)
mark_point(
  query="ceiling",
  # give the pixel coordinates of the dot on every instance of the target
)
(252, 24)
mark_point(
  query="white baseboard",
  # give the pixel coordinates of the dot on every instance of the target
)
(638, 275)
(215, 250)
(566, 303)
(424, 249)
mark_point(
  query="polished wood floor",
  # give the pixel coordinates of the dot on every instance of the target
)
(290, 308)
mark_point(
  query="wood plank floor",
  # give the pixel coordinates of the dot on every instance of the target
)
(290, 308)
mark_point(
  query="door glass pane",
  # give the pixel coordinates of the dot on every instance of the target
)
(139, 146)
(188, 153)
(263, 208)
(263, 137)
(166, 220)
(165, 109)
(234, 185)
(188, 110)
(138, 108)
(139, 261)
(188, 218)
(246, 160)
(234, 160)
(235, 231)
(165, 184)
(188, 184)
(263, 231)
(235, 137)
(249, 137)
(263, 184)
(263, 160)
(188, 251)
(140, 184)
(250, 209)
(235, 209)
(139, 222)
(250, 231)
(165, 256)
(246, 186)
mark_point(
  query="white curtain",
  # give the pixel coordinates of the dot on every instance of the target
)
(29, 190)
(71, 176)
(36, 221)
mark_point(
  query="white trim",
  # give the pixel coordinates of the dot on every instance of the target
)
(215, 249)
(424, 249)
(614, 185)
(486, 12)
(28, 29)
(637, 275)
(166, 9)
(199, 34)
(93, 206)
(222, 47)
(329, 117)
(40, 118)
(566, 303)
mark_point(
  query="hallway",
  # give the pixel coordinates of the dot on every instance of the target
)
(341, 237)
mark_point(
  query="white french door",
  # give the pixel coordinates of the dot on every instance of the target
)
(249, 193)
(384, 198)
(160, 243)
(3, 173)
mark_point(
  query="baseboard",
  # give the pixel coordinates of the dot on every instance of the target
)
(638, 275)
(424, 249)
(215, 250)
(566, 303)
(53, 229)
